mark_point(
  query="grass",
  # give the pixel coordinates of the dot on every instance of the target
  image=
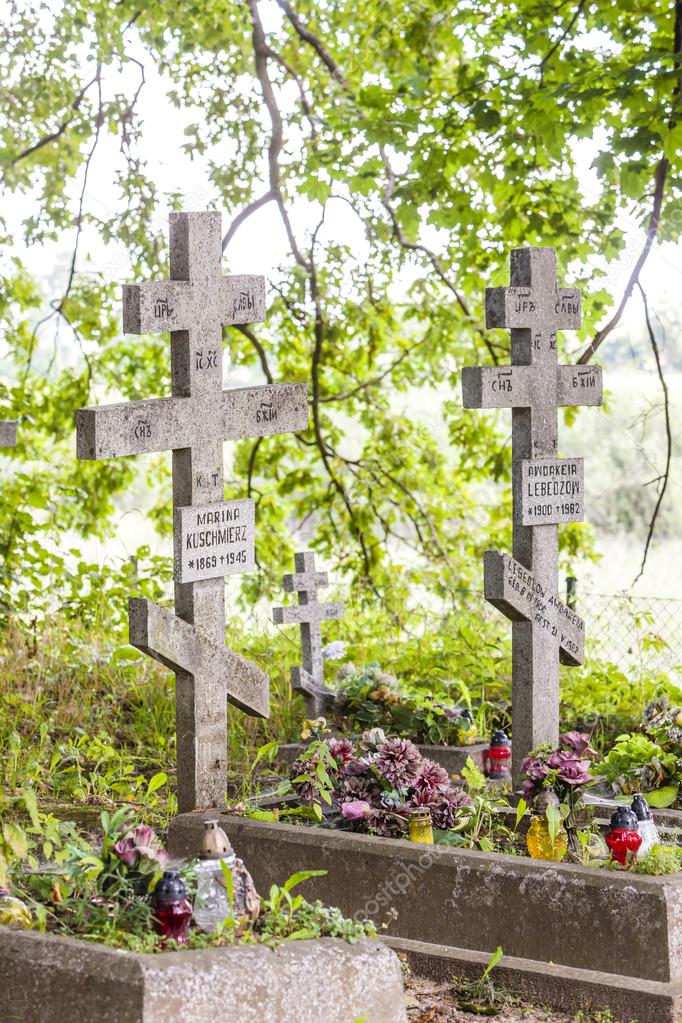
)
(86, 721)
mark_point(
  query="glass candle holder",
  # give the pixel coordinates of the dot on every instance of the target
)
(624, 836)
(647, 828)
(172, 908)
(13, 912)
(420, 825)
(497, 758)
(211, 903)
(539, 841)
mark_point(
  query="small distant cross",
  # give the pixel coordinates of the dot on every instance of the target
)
(8, 433)
(194, 422)
(534, 386)
(309, 614)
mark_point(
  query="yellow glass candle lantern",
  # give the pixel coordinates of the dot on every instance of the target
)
(420, 825)
(540, 842)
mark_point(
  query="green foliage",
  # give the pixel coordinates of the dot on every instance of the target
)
(377, 700)
(632, 755)
(662, 859)
(481, 997)
(419, 121)
(604, 700)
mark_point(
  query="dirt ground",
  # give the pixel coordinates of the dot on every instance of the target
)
(431, 1002)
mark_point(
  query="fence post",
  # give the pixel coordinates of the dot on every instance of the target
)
(571, 591)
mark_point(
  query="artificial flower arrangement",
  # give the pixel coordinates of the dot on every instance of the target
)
(370, 698)
(553, 785)
(373, 785)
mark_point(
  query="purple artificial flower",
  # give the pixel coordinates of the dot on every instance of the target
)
(570, 769)
(579, 743)
(534, 768)
(356, 810)
(342, 750)
(398, 762)
(140, 843)
(443, 802)
(528, 789)
(431, 775)
(387, 823)
(354, 788)
(307, 789)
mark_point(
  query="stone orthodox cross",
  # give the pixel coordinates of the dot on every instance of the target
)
(212, 537)
(8, 433)
(547, 490)
(309, 614)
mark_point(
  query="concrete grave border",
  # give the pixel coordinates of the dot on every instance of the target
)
(573, 936)
(49, 979)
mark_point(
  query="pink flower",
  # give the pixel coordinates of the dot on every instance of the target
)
(431, 775)
(342, 750)
(398, 763)
(444, 804)
(579, 742)
(534, 768)
(140, 843)
(571, 770)
(357, 810)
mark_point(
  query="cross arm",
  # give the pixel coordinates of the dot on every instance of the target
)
(304, 614)
(159, 306)
(513, 590)
(8, 433)
(580, 385)
(496, 386)
(305, 581)
(182, 647)
(130, 428)
(161, 424)
(161, 634)
(263, 411)
(303, 682)
(525, 308)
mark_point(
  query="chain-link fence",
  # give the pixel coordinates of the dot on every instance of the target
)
(631, 632)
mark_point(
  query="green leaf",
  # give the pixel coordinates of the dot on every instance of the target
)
(663, 797)
(300, 876)
(156, 782)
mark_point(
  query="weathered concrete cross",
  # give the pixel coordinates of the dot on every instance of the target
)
(210, 534)
(546, 490)
(309, 614)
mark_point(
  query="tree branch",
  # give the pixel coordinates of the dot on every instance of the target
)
(58, 132)
(668, 432)
(245, 214)
(660, 178)
(248, 333)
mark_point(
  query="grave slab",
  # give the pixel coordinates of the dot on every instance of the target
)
(50, 979)
(609, 925)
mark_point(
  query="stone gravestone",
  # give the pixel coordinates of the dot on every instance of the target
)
(309, 614)
(212, 537)
(547, 490)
